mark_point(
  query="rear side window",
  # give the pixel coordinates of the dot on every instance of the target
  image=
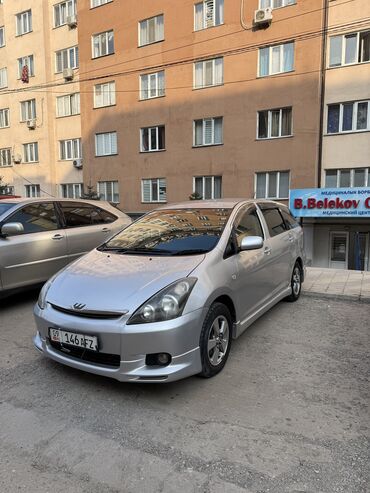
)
(105, 216)
(290, 221)
(36, 218)
(274, 221)
(78, 215)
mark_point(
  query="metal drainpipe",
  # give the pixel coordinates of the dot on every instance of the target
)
(322, 87)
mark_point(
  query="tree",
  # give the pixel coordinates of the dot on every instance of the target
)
(5, 188)
(195, 196)
(90, 193)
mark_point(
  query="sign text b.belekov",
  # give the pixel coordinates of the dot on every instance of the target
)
(329, 202)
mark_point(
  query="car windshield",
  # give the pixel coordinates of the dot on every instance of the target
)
(171, 232)
(4, 206)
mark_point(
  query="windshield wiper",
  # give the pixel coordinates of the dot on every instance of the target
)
(194, 251)
(140, 251)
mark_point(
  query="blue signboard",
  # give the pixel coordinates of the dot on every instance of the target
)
(330, 202)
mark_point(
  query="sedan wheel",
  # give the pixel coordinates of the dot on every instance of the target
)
(215, 340)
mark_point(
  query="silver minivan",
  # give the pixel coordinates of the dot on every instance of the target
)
(164, 298)
(38, 237)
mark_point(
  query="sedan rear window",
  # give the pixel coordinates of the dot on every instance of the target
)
(172, 232)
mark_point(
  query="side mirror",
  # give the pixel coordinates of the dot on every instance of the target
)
(12, 229)
(251, 243)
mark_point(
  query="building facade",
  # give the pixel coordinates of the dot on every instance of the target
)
(40, 126)
(190, 98)
(343, 240)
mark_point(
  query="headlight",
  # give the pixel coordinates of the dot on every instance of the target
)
(44, 291)
(165, 305)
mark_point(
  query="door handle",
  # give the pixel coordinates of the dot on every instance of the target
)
(267, 251)
(106, 230)
(57, 237)
(291, 238)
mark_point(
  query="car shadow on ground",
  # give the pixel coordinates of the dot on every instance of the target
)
(18, 299)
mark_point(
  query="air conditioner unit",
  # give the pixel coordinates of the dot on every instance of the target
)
(77, 163)
(72, 20)
(263, 16)
(31, 124)
(68, 74)
(17, 158)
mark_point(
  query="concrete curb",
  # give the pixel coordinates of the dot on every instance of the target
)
(336, 297)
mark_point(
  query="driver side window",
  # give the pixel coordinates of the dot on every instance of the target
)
(247, 224)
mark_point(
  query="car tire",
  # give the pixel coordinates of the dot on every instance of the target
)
(215, 340)
(295, 283)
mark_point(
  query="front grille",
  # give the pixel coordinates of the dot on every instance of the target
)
(103, 359)
(88, 313)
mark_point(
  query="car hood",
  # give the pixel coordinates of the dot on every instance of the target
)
(111, 282)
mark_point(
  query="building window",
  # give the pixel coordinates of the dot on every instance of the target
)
(31, 152)
(151, 30)
(71, 190)
(340, 178)
(97, 3)
(67, 58)
(208, 131)
(108, 190)
(276, 59)
(2, 36)
(104, 94)
(3, 77)
(4, 117)
(103, 44)
(28, 110)
(152, 139)
(208, 13)
(274, 123)
(152, 85)
(106, 144)
(348, 117)
(24, 22)
(6, 157)
(208, 73)
(207, 187)
(70, 149)
(26, 61)
(68, 105)
(272, 185)
(275, 4)
(153, 190)
(350, 48)
(32, 191)
(62, 11)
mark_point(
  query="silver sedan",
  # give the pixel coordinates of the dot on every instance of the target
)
(164, 298)
(40, 236)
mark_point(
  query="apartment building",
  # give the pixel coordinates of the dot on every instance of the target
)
(196, 99)
(342, 240)
(40, 126)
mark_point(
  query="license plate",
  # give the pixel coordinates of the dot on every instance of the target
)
(74, 339)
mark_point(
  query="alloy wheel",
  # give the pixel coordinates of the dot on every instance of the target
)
(218, 340)
(296, 281)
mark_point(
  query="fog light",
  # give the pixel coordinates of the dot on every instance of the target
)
(158, 359)
(163, 358)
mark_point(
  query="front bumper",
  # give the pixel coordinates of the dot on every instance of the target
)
(178, 337)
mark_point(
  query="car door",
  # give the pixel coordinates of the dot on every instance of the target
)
(278, 246)
(86, 226)
(253, 283)
(38, 252)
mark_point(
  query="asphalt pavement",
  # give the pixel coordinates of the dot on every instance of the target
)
(289, 413)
